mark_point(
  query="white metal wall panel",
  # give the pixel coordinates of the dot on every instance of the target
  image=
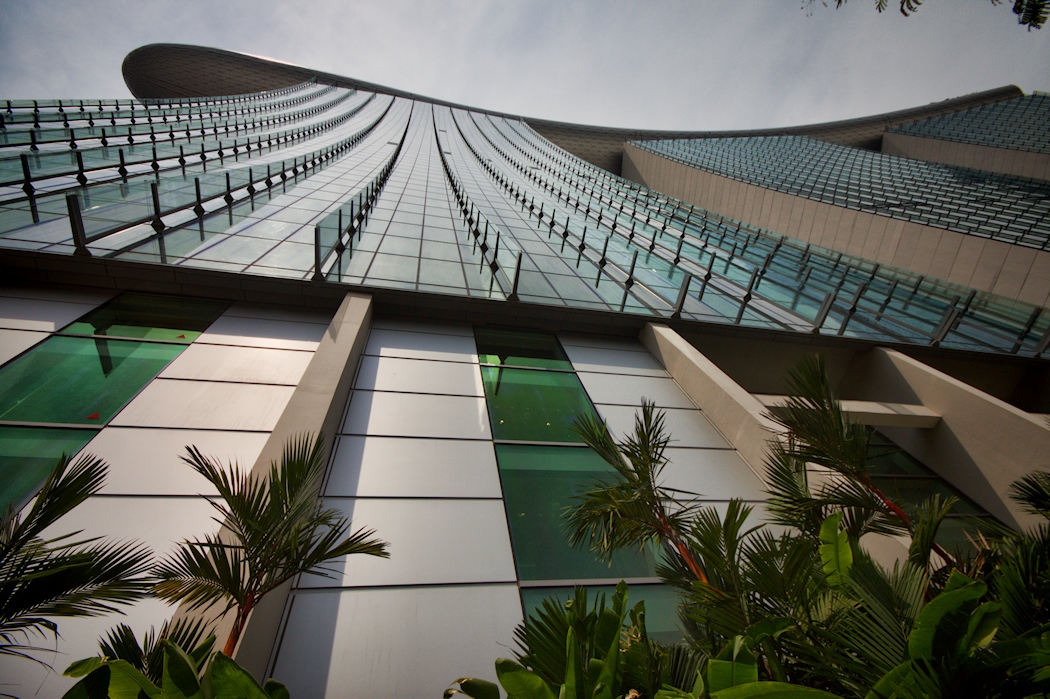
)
(405, 642)
(15, 342)
(418, 345)
(622, 389)
(410, 467)
(432, 541)
(147, 461)
(45, 310)
(206, 404)
(419, 376)
(416, 415)
(240, 364)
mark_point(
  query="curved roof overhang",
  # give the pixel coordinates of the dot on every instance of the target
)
(164, 71)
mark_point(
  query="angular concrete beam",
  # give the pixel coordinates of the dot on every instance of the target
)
(738, 415)
(981, 444)
(316, 406)
(873, 413)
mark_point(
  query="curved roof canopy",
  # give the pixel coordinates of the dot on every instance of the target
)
(164, 71)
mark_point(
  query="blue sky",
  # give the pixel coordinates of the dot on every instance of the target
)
(687, 64)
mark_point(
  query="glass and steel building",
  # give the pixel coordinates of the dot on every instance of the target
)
(250, 250)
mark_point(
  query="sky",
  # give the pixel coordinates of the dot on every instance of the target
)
(662, 64)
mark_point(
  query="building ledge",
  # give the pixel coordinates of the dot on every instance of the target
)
(873, 413)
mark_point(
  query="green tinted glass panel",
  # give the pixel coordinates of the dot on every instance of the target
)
(538, 484)
(534, 406)
(911, 492)
(517, 348)
(957, 533)
(661, 605)
(889, 459)
(79, 380)
(150, 317)
(28, 455)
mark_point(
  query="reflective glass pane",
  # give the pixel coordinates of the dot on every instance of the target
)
(28, 455)
(911, 492)
(79, 380)
(152, 317)
(516, 348)
(538, 484)
(957, 534)
(661, 605)
(536, 406)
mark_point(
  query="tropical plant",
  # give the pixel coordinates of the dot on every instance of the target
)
(807, 612)
(273, 528)
(632, 508)
(1030, 13)
(147, 656)
(42, 578)
(576, 650)
(819, 433)
(194, 674)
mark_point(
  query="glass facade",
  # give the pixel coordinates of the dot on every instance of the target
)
(909, 483)
(1018, 124)
(382, 192)
(452, 431)
(983, 204)
(544, 467)
(79, 378)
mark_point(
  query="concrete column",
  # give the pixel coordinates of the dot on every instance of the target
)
(316, 406)
(980, 445)
(738, 415)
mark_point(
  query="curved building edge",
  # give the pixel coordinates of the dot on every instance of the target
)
(165, 71)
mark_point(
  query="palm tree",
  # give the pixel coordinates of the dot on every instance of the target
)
(820, 433)
(632, 508)
(42, 578)
(274, 528)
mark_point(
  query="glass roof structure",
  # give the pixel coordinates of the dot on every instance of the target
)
(379, 191)
(1022, 123)
(973, 202)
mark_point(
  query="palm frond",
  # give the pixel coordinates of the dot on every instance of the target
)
(928, 520)
(62, 576)
(1033, 492)
(822, 432)
(274, 528)
(147, 657)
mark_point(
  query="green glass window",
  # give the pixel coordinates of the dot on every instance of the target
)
(539, 482)
(534, 406)
(517, 348)
(79, 380)
(909, 483)
(150, 317)
(661, 605)
(28, 455)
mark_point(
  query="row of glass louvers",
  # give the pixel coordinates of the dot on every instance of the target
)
(320, 182)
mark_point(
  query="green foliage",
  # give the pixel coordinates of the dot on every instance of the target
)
(1033, 493)
(735, 665)
(821, 434)
(602, 652)
(807, 612)
(61, 577)
(836, 554)
(273, 529)
(1030, 13)
(148, 656)
(194, 675)
(631, 509)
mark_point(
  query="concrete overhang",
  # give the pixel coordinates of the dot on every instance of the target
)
(872, 413)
